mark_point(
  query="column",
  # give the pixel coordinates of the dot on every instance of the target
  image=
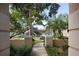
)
(74, 29)
(4, 30)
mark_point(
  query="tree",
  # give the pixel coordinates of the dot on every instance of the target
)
(17, 23)
(33, 13)
(58, 24)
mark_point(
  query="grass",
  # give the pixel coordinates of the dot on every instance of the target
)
(36, 40)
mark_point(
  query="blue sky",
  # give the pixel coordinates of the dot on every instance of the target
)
(64, 8)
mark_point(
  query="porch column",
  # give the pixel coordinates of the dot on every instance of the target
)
(74, 29)
(4, 30)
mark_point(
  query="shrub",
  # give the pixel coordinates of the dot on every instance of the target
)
(54, 51)
(21, 51)
(65, 48)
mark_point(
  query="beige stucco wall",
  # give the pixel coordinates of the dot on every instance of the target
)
(18, 42)
(74, 30)
(49, 41)
(28, 41)
(4, 30)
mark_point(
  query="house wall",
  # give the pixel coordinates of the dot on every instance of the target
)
(4, 30)
(74, 30)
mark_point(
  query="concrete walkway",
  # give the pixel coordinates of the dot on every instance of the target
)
(39, 50)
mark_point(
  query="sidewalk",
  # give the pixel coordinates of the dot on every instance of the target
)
(39, 50)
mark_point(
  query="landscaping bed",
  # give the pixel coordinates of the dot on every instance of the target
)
(57, 51)
(20, 51)
(60, 42)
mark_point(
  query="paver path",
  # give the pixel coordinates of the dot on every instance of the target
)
(39, 50)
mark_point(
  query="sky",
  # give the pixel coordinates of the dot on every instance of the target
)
(64, 8)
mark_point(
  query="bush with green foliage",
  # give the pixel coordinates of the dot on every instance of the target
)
(20, 51)
(53, 51)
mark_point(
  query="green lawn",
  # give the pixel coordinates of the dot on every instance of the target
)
(36, 40)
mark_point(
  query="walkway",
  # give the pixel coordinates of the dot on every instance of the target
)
(39, 50)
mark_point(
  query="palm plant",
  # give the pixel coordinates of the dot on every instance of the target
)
(58, 24)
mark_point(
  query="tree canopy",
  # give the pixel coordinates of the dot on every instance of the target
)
(25, 15)
(34, 11)
(58, 24)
